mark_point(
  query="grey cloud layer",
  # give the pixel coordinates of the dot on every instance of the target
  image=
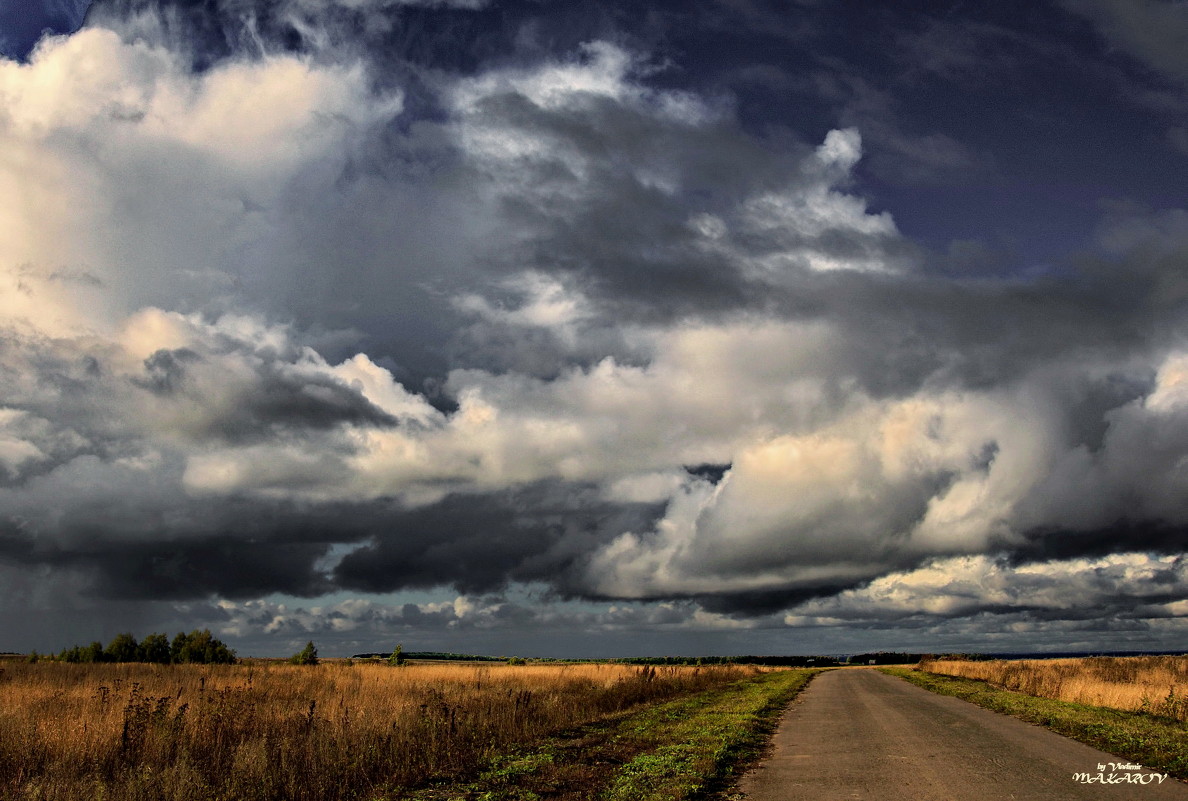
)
(1154, 31)
(259, 311)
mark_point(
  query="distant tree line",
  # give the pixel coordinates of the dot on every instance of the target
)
(886, 658)
(879, 658)
(197, 647)
(438, 655)
(749, 659)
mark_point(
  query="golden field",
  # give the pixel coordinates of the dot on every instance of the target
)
(277, 731)
(1157, 685)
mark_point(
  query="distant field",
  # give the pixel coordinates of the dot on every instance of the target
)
(1157, 685)
(277, 731)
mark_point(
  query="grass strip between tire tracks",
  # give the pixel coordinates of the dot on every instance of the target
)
(690, 748)
(1155, 742)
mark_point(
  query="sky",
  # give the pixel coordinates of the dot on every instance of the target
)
(550, 329)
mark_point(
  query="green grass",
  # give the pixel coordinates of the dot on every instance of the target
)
(1157, 743)
(690, 748)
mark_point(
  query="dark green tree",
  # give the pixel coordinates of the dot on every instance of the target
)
(155, 648)
(200, 647)
(217, 653)
(122, 648)
(306, 656)
(397, 658)
(177, 647)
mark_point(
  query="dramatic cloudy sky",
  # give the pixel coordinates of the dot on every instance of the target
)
(522, 326)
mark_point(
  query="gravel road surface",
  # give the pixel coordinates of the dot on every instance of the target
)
(860, 734)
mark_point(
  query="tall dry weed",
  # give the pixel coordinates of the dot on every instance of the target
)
(264, 732)
(1157, 685)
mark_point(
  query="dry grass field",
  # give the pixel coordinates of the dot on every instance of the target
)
(1157, 685)
(278, 731)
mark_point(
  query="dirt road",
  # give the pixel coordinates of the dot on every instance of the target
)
(860, 734)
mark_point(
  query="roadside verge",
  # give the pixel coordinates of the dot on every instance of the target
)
(1157, 743)
(690, 748)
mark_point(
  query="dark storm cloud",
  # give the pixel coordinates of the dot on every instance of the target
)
(481, 543)
(769, 602)
(226, 565)
(1149, 536)
(299, 403)
(123, 548)
(182, 553)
